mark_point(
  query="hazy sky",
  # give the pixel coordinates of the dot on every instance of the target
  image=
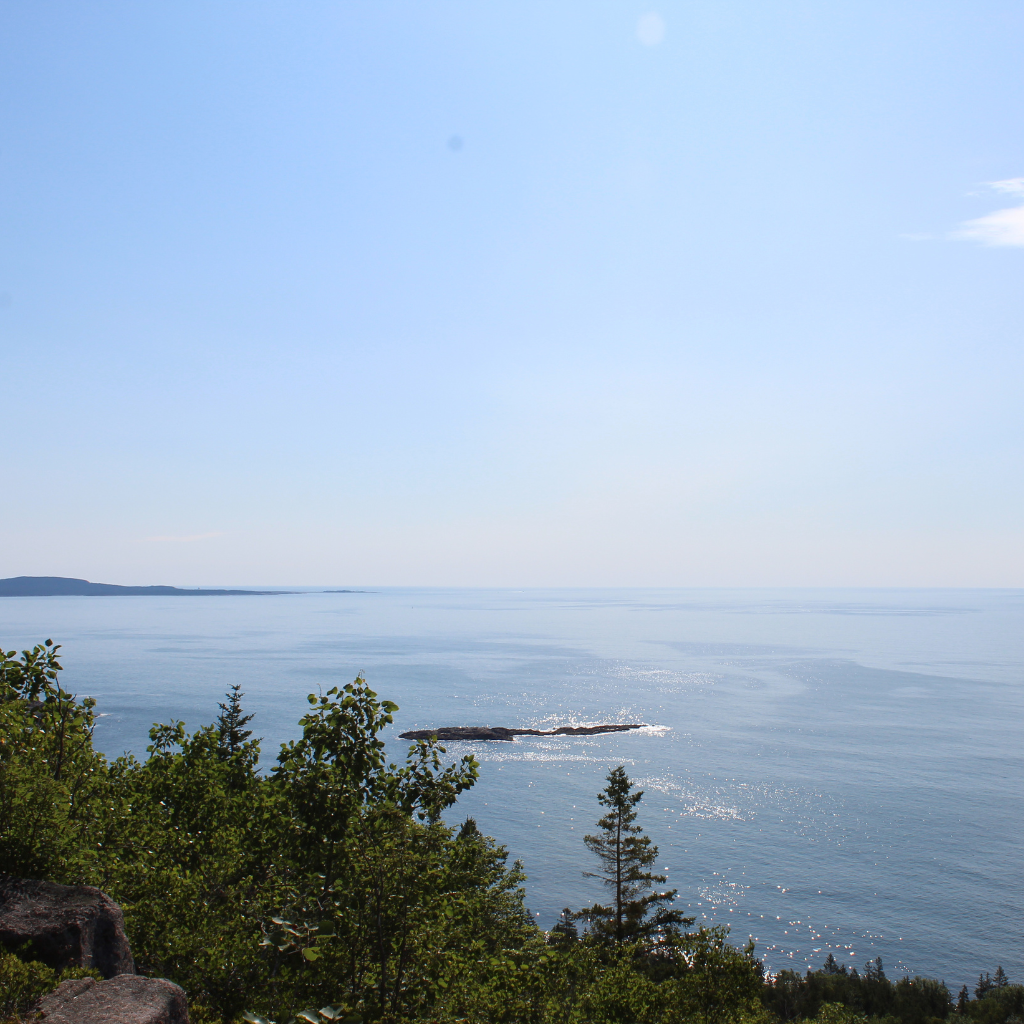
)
(519, 293)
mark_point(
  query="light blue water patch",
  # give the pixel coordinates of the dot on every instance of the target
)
(828, 771)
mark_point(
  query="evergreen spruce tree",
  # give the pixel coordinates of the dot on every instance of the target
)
(626, 855)
(565, 931)
(984, 986)
(1000, 980)
(231, 722)
(873, 970)
(962, 1000)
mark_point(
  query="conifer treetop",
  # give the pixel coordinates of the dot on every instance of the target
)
(627, 854)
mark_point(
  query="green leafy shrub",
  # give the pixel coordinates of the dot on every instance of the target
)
(52, 782)
(999, 1005)
(24, 982)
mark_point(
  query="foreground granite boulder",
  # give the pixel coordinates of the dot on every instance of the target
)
(64, 925)
(126, 999)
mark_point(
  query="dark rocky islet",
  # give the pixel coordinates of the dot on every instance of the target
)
(479, 732)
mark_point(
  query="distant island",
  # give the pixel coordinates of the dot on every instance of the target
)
(479, 732)
(62, 586)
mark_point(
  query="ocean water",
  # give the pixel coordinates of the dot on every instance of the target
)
(826, 771)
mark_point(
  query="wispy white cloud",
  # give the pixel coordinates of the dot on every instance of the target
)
(185, 540)
(1015, 186)
(1001, 227)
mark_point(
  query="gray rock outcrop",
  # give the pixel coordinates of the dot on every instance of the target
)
(64, 925)
(499, 732)
(126, 999)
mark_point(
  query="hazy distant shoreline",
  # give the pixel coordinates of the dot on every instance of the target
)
(63, 586)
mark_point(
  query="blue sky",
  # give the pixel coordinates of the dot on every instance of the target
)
(512, 294)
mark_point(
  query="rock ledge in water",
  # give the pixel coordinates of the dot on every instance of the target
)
(479, 732)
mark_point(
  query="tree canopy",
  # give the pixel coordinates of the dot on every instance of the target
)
(331, 889)
(636, 909)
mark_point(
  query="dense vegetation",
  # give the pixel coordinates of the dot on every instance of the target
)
(329, 888)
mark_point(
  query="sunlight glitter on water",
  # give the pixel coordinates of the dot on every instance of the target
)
(809, 757)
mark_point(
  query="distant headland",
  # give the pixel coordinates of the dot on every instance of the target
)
(62, 586)
(479, 732)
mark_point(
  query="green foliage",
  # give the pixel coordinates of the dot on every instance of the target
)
(414, 905)
(52, 782)
(626, 854)
(720, 983)
(871, 994)
(565, 931)
(697, 977)
(190, 852)
(338, 768)
(622, 994)
(232, 722)
(330, 890)
(31, 676)
(331, 878)
(24, 982)
(999, 1004)
(836, 1013)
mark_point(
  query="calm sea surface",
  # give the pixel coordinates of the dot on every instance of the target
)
(828, 771)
